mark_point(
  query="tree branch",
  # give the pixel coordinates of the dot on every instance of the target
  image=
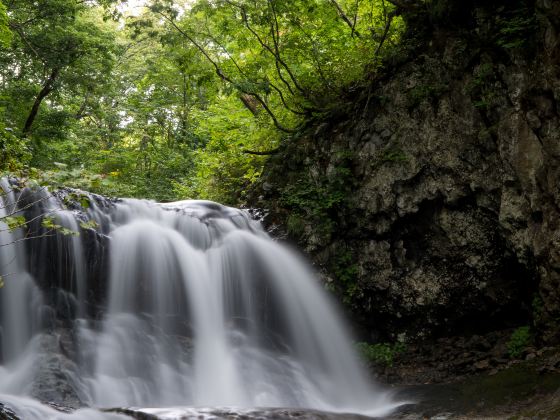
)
(17, 29)
(345, 18)
(405, 4)
(48, 87)
(355, 19)
(265, 153)
(388, 22)
(281, 95)
(225, 77)
(275, 31)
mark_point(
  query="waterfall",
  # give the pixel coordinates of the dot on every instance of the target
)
(186, 304)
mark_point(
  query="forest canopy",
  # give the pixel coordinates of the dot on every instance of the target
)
(175, 99)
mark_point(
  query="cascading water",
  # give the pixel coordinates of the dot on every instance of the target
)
(194, 306)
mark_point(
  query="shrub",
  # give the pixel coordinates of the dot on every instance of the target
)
(518, 341)
(380, 353)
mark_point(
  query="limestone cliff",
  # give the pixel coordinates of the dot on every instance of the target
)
(431, 203)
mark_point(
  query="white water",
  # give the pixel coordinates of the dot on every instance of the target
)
(203, 310)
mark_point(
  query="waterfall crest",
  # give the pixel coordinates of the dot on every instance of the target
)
(168, 305)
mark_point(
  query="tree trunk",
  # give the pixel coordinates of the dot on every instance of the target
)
(47, 88)
(250, 103)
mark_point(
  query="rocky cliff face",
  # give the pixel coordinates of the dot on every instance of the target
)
(432, 204)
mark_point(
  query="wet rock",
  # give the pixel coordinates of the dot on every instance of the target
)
(482, 365)
(54, 381)
(7, 414)
(237, 414)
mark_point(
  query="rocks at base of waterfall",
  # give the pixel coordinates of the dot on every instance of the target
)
(452, 359)
(55, 380)
(520, 391)
(7, 414)
(238, 414)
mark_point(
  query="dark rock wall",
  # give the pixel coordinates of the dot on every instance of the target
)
(432, 203)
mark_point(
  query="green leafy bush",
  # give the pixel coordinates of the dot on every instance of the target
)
(14, 152)
(316, 200)
(518, 341)
(380, 353)
(515, 28)
(5, 33)
(425, 92)
(346, 272)
(295, 225)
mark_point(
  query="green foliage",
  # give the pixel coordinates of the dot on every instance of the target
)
(295, 226)
(346, 272)
(76, 197)
(394, 155)
(90, 224)
(516, 28)
(301, 50)
(314, 199)
(13, 222)
(50, 224)
(439, 9)
(5, 33)
(482, 104)
(166, 105)
(423, 92)
(483, 74)
(222, 171)
(61, 176)
(312, 202)
(537, 306)
(316, 202)
(14, 152)
(380, 353)
(519, 340)
(484, 86)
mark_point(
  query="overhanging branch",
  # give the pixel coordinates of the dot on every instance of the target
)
(225, 77)
(265, 153)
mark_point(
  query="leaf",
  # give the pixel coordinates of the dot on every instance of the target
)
(84, 201)
(90, 224)
(49, 223)
(66, 232)
(14, 222)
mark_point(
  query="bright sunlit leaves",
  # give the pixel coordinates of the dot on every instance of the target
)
(167, 101)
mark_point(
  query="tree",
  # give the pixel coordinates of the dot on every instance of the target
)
(185, 100)
(292, 57)
(58, 44)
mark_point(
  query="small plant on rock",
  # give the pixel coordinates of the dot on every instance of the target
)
(380, 353)
(519, 340)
